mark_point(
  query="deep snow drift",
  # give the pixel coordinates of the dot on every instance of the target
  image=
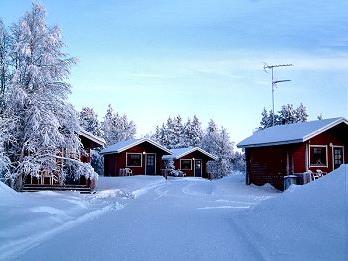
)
(150, 218)
(305, 223)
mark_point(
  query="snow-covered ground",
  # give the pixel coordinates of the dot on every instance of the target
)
(150, 218)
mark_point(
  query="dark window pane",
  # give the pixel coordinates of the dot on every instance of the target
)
(186, 164)
(134, 160)
(318, 156)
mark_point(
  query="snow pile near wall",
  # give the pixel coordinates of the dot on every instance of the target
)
(305, 223)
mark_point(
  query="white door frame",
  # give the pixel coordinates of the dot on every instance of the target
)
(145, 165)
(333, 155)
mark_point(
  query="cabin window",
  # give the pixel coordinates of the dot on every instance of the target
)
(318, 156)
(186, 164)
(134, 159)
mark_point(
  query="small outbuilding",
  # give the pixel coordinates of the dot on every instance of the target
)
(191, 160)
(140, 156)
(282, 151)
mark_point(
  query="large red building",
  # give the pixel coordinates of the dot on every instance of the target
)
(275, 153)
(140, 156)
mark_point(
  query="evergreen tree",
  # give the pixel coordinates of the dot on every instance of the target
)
(193, 132)
(239, 161)
(301, 113)
(177, 131)
(286, 115)
(218, 143)
(117, 128)
(266, 120)
(42, 121)
(89, 121)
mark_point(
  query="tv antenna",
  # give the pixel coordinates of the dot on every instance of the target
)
(267, 67)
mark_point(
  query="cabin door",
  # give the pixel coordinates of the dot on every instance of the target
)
(150, 164)
(198, 168)
(337, 156)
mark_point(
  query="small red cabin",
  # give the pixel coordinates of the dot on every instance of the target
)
(140, 156)
(275, 153)
(191, 160)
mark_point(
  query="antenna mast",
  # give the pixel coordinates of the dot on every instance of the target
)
(267, 67)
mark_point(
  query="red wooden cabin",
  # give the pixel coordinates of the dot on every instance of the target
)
(47, 180)
(140, 156)
(280, 151)
(191, 160)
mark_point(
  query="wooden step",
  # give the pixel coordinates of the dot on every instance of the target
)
(34, 188)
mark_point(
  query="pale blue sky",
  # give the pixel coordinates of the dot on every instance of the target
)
(152, 59)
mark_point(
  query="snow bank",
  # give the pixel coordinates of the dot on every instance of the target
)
(7, 194)
(304, 223)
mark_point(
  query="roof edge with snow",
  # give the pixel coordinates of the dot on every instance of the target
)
(305, 137)
(188, 151)
(92, 137)
(133, 144)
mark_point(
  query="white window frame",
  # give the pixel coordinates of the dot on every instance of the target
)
(333, 156)
(309, 156)
(181, 164)
(141, 160)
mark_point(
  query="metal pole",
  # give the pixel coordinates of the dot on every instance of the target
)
(265, 67)
(272, 99)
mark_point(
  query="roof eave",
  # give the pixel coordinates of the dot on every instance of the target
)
(325, 128)
(270, 144)
(137, 143)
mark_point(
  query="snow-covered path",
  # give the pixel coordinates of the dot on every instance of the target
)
(178, 219)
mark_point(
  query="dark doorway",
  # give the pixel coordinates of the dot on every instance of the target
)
(198, 168)
(150, 164)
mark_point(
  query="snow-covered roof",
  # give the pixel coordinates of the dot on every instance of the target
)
(92, 137)
(127, 144)
(179, 153)
(290, 133)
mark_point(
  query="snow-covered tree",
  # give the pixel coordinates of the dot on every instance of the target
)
(211, 138)
(43, 121)
(177, 133)
(217, 142)
(193, 132)
(4, 63)
(239, 161)
(287, 115)
(301, 113)
(89, 121)
(117, 128)
(5, 162)
(174, 134)
(266, 120)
